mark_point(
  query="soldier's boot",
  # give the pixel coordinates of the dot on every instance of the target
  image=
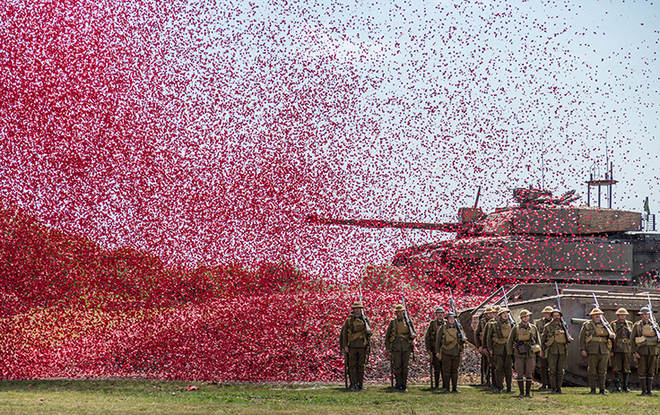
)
(649, 385)
(404, 382)
(498, 382)
(544, 380)
(437, 379)
(509, 379)
(593, 383)
(560, 380)
(624, 386)
(642, 384)
(553, 383)
(397, 378)
(493, 379)
(360, 378)
(352, 375)
(445, 383)
(521, 386)
(454, 384)
(528, 389)
(601, 384)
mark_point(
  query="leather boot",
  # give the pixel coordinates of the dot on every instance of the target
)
(509, 379)
(560, 381)
(454, 384)
(601, 384)
(626, 378)
(592, 391)
(397, 385)
(521, 386)
(649, 385)
(404, 382)
(360, 378)
(445, 383)
(642, 384)
(528, 389)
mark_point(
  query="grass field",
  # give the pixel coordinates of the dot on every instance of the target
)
(147, 397)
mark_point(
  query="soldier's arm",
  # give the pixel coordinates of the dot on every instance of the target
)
(489, 337)
(583, 337)
(537, 337)
(343, 336)
(477, 335)
(427, 337)
(633, 343)
(509, 341)
(388, 333)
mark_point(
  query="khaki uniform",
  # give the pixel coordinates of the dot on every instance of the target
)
(355, 336)
(480, 340)
(429, 341)
(543, 361)
(450, 344)
(400, 346)
(594, 338)
(645, 342)
(519, 344)
(498, 332)
(621, 346)
(554, 343)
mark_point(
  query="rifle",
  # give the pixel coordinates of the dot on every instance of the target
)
(506, 304)
(653, 323)
(602, 319)
(405, 313)
(453, 310)
(362, 316)
(561, 317)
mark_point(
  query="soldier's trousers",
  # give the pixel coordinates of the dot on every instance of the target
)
(450, 365)
(543, 365)
(356, 358)
(621, 362)
(556, 366)
(646, 365)
(485, 367)
(400, 362)
(525, 368)
(437, 369)
(503, 368)
(597, 369)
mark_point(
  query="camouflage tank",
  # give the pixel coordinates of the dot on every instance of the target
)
(576, 301)
(540, 238)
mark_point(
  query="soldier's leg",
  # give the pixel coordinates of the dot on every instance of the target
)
(446, 371)
(625, 371)
(508, 372)
(544, 367)
(602, 372)
(353, 366)
(561, 368)
(437, 371)
(520, 374)
(455, 364)
(653, 368)
(592, 363)
(361, 358)
(552, 361)
(405, 360)
(498, 363)
(642, 370)
(487, 369)
(617, 364)
(396, 362)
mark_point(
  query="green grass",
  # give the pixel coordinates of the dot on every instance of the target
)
(146, 397)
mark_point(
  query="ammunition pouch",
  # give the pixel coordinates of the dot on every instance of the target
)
(601, 331)
(499, 340)
(536, 348)
(402, 327)
(506, 330)
(560, 337)
(523, 335)
(647, 331)
(451, 338)
(358, 325)
(640, 341)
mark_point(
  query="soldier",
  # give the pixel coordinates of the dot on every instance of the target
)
(645, 349)
(543, 361)
(355, 341)
(621, 350)
(480, 341)
(523, 343)
(449, 344)
(399, 343)
(493, 382)
(554, 345)
(429, 340)
(498, 335)
(595, 345)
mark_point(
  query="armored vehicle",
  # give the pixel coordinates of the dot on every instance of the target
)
(540, 238)
(576, 300)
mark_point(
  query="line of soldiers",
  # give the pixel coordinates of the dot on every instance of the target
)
(505, 344)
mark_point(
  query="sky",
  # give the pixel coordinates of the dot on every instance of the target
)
(205, 132)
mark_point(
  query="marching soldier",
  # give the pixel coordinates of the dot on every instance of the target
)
(498, 335)
(399, 343)
(355, 341)
(430, 340)
(554, 345)
(645, 349)
(595, 345)
(621, 350)
(543, 361)
(449, 345)
(480, 340)
(523, 343)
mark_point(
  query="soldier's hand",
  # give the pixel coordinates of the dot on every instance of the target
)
(611, 354)
(346, 349)
(584, 353)
(437, 355)
(491, 352)
(542, 355)
(637, 355)
(612, 336)
(413, 337)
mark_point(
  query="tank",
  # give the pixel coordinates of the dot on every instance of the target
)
(576, 302)
(540, 238)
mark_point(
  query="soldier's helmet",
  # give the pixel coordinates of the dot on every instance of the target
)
(489, 309)
(595, 312)
(439, 310)
(645, 310)
(503, 310)
(399, 307)
(547, 309)
(556, 310)
(357, 304)
(497, 308)
(525, 313)
(622, 311)
(450, 314)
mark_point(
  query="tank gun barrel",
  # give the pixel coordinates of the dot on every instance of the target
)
(376, 223)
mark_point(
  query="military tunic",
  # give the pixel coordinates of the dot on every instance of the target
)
(429, 341)
(354, 335)
(645, 343)
(400, 345)
(554, 343)
(498, 334)
(621, 349)
(594, 339)
(450, 344)
(543, 360)
(480, 340)
(519, 344)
